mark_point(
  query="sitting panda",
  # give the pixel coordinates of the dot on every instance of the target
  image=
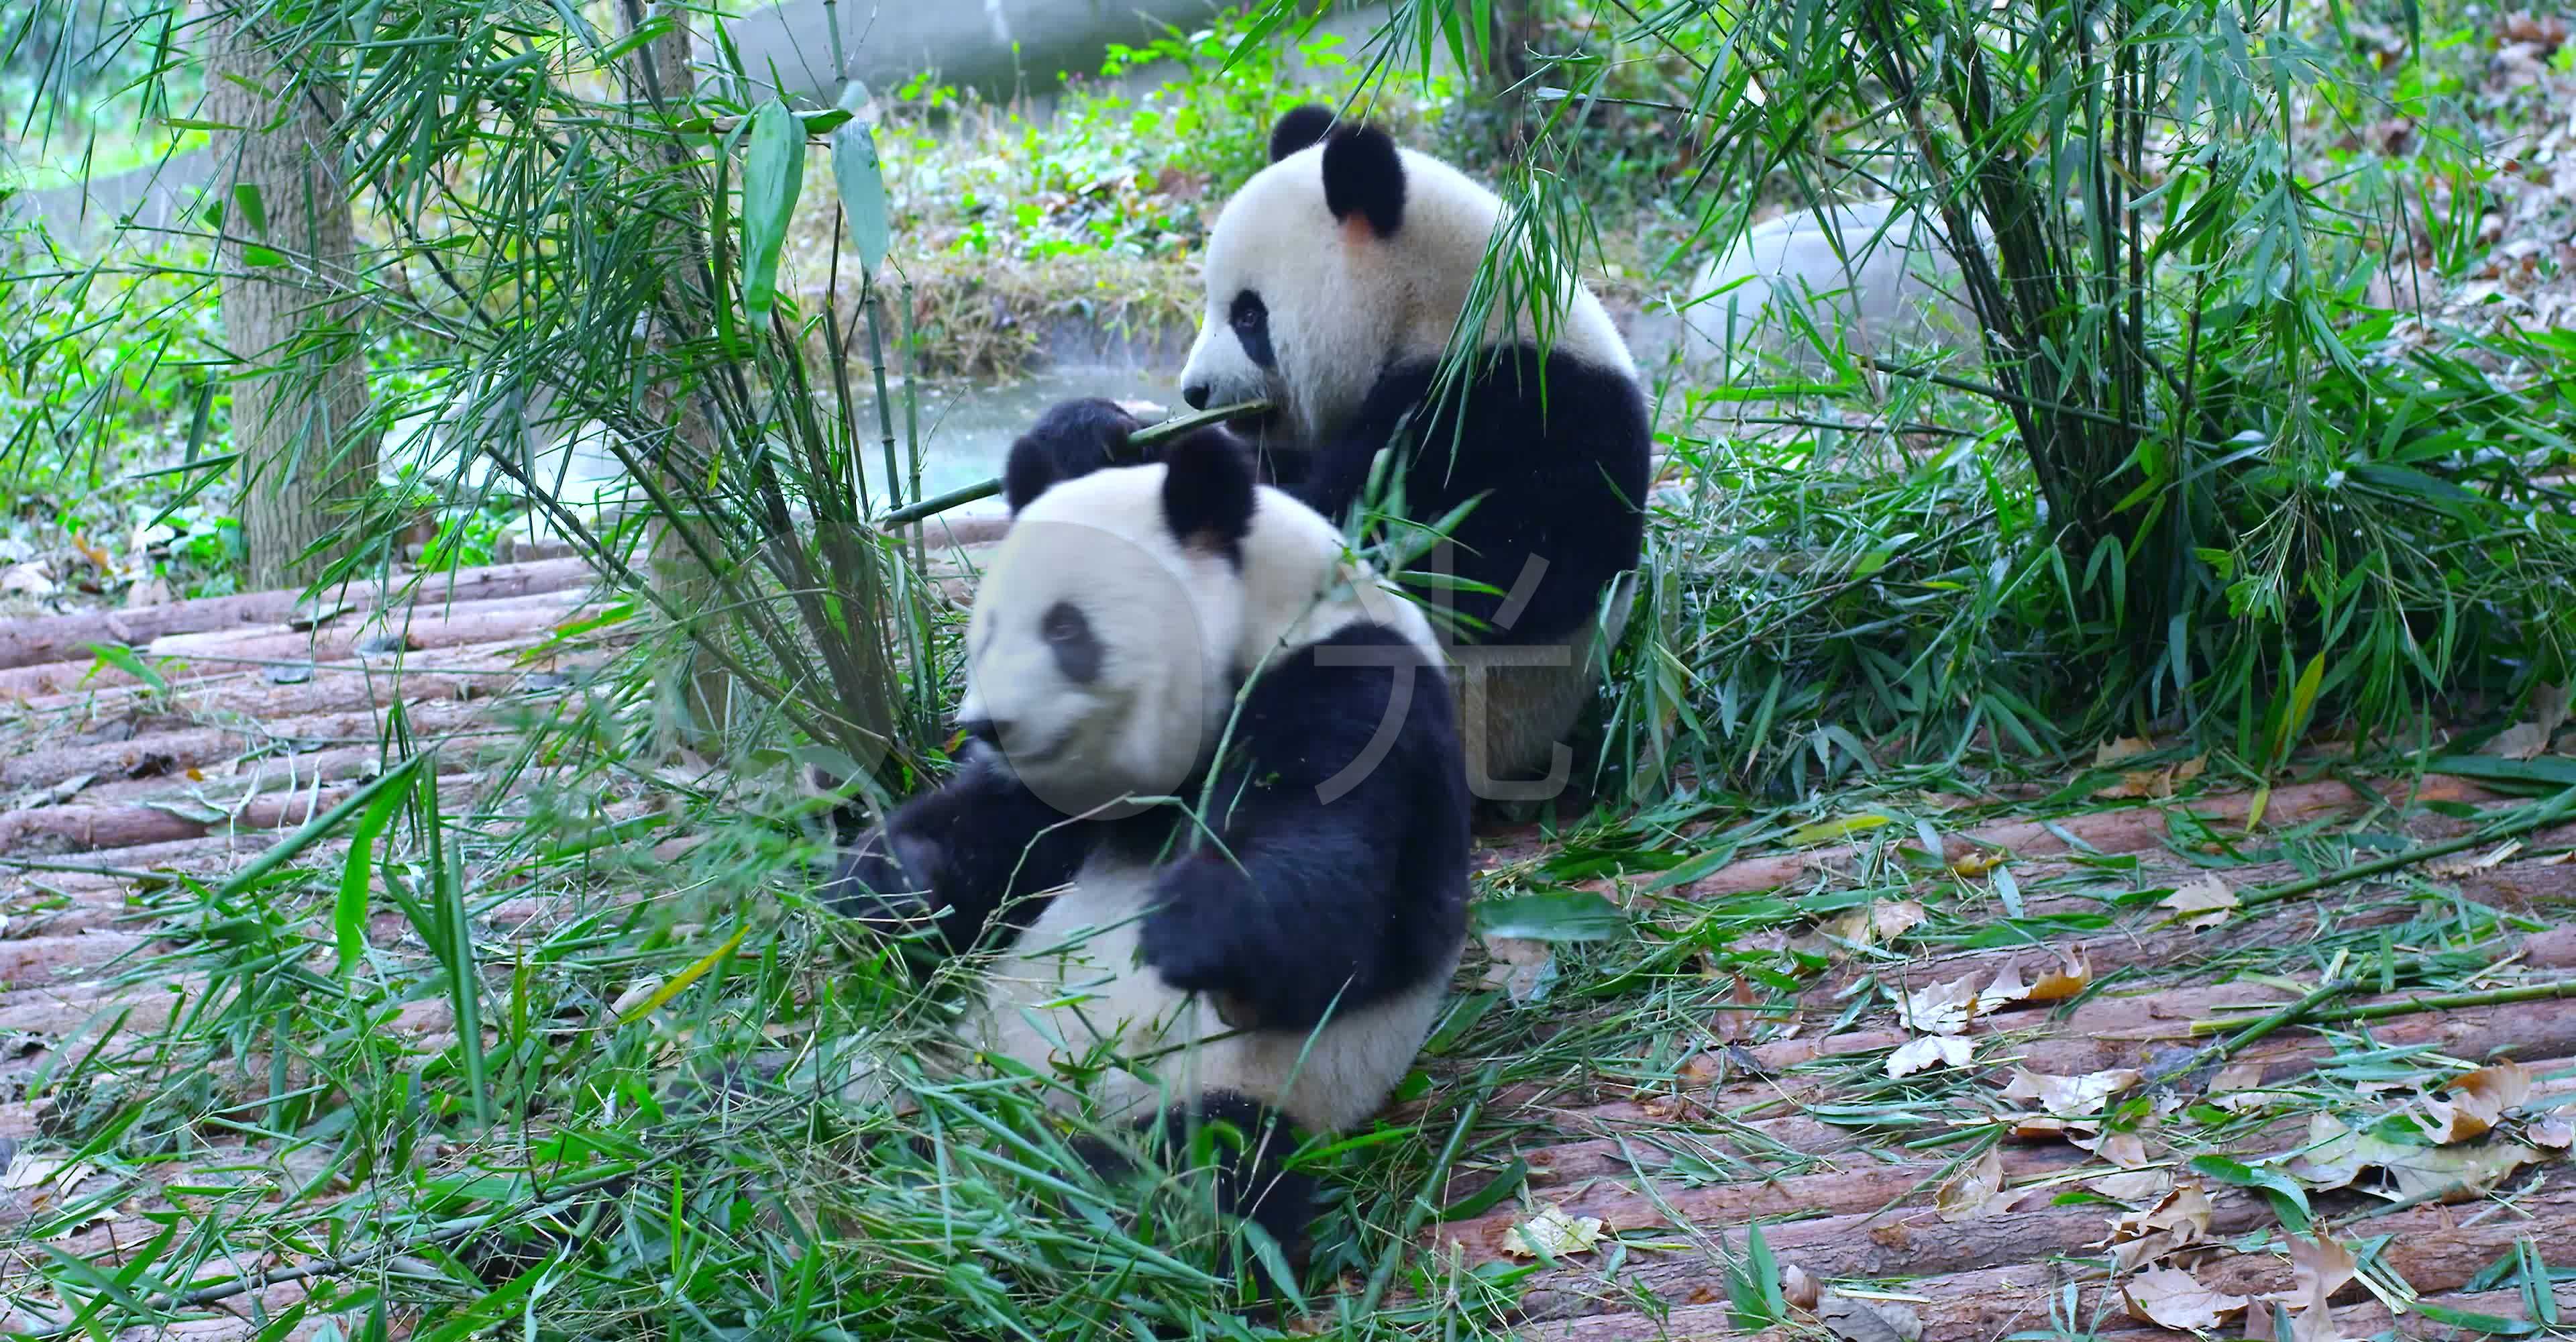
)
(1177, 630)
(1334, 280)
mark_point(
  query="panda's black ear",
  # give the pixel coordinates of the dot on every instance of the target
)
(1363, 174)
(1299, 128)
(1029, 473)
(1208, 491)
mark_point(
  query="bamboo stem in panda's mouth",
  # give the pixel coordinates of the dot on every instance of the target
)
(1141, 439)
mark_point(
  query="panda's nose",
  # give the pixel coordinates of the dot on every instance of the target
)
(1196, 394)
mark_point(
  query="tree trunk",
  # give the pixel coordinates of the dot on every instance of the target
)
(696, 694)
(288, 256)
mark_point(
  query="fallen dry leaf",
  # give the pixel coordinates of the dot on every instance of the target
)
(1857, 1320)
(2071, 1096)
(2320, 1267)
(1934, 1050)
(2203, 903)
(29, 1170)
(2555, 1134)
(2184, 1211)
(2072, 975)
(2468, 864)
(2521, 741)
(2477, 1101)
(2236, 1076)
(2172, 1298)
(2005, 990)
(2127, 1150)
(1895, 918)
(1797, 1287)
(1943, 1008)
(2132, 1185)
(1976, 1192)
(1522, 968)
(2336, 1155)
(1553, 1234)
(1735, 1020)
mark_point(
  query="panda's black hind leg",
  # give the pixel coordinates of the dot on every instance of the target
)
(1248, 1146)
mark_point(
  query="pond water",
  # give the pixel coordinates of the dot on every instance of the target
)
(966, 431)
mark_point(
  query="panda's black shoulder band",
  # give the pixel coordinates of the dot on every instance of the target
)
(1299, 128)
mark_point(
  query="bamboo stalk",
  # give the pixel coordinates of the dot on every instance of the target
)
(1142, 438)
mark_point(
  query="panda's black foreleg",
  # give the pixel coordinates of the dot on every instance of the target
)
(1246, 1145)
(971, 854)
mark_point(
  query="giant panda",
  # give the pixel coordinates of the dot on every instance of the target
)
(1334, 280)
(1178, 630)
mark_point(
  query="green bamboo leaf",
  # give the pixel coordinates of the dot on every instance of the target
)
(1567, 915)
(349, 914)
(773, 170)
(254, 209)
(393, 780)
(862, 183)
(2289, 1200)
(123, 658)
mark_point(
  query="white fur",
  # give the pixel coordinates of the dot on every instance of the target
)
(1177, 621)
(1892, 284)
(1345, 303)
(1071, 982)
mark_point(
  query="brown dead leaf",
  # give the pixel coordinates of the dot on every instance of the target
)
(2133, 1185)
(2477, 1101)
(1522, 968)
(1797, 1287)
(1976, 1192)
(2071, 1096)
(1895, 918)
(2236, 1076)
(2203, 903)
(2320, 1267)
(1736, 1019)
(2127, 1150)
(2336, 1156)
(2184, 1212)
(2072, 975)
(2142, 783)
(1930, 1051)
(2554, 1134)
(1857, 1320)
(2172, 1298)
(2468, 864)
(1943, 1008)
(2521, 741)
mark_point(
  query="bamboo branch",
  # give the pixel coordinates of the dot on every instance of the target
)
(1140, 439)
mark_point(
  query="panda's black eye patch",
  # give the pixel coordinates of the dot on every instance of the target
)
(1068, 635)
(1250, 319)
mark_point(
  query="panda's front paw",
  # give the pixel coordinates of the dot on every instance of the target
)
(1071, 440)
(1191, 936)
(874, 886)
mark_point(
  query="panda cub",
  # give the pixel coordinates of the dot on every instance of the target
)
(1334, 281)
(1179, 631)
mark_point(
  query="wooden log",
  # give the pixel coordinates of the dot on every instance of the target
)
(1983, 1306)
(471, 671)
(2433, 1249)
(58, 638)
(198, 656)
(160, 754)
(2133, 829)
(32, 961)
(72, 829)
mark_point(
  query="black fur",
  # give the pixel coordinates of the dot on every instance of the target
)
(1360, 894)
(1364, 175)
(980, 845)
(1208, 493)
(1252, 1180)
(1072, 439)
(1299, 128)
(1563, 476)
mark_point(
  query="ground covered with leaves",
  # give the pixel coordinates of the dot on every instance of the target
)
(345, 998)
